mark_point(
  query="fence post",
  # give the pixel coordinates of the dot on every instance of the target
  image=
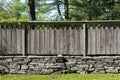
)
(26, 40)
(84, 40)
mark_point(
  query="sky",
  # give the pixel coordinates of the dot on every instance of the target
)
(22, 0)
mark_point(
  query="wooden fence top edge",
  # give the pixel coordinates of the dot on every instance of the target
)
(66, 22)
(74, 22)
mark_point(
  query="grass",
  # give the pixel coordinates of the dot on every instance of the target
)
(62, 77)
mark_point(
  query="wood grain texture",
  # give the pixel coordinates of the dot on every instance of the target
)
(61, 41)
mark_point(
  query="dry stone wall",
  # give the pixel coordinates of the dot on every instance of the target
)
(49, 65)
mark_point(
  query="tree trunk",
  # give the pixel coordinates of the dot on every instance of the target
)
(58, 8)
(90, 12)
(66, 9)
(31, 4)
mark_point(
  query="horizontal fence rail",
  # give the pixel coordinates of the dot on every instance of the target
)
(52, 38)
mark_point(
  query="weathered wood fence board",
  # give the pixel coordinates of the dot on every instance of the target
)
(11, 41)
(84, 38)
(61, 41)
(55, 41)
(104, 40)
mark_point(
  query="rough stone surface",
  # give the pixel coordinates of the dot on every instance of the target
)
(48, 65)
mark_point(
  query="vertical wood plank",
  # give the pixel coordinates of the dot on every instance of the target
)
(115, 41)
(46, 41)
(118, 45)
(61, 41)
(84, 40)
(32, 41)
(36, 41)
(65, 41)
(4, 42)
(55, 41)
(93, 41)
(42, 44)
(71, 41)
(15, 41)
(22, 41)
(12, 41)
(29, 42)
(58, 41)
(0, 42)
(102, 41)
(97, 32)
(112, 41)
(75, 41)
(68, 40)
(79, 40)
(18, 41)
(9, 41)
(51, 43)
(107, 40)
(89, 41)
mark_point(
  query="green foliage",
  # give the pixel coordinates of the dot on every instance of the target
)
(13, 20)
(54, 10)
(94, 9)
(13, 9)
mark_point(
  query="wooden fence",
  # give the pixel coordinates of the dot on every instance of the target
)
(68, 38)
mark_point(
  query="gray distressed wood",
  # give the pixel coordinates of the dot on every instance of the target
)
(9, 41)
(18, 50)
(84, 40)
(3, 37)
(102, 41)
(29, 42)
(0, 42)
(42, 41)
(58, 41)
(32, 42)
(93, 41)
(79, 40)
(97, 35)
(46, 43)
(118, 44)
(112, 41)
(22, 42)
(61, 41)
(110, 30)
(65, 41)
(55, 41)
(89, 41)
(82, 45)
(51, 43)
(115, 41)
(37, 41)
(71, 41)
(75, 41)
